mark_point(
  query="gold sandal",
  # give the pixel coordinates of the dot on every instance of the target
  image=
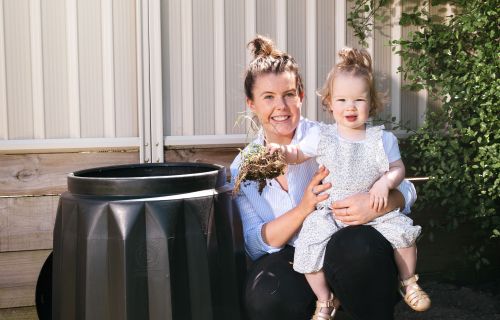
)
(330, 303)
(414, 296)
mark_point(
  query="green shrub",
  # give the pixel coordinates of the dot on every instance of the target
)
(458, 147)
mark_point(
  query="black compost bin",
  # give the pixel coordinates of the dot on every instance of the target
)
(147, 241)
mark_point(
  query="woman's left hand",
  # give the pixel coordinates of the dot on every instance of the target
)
(355, 209)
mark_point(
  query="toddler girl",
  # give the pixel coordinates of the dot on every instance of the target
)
(360, 158)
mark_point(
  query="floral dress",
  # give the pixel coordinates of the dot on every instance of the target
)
(354, 166)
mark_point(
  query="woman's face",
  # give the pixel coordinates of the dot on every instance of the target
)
(277, 105)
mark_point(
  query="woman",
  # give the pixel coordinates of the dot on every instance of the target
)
(359, 264)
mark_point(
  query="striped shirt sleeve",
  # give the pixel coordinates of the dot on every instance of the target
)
(252, 229)
(255, 246)
(408, 191)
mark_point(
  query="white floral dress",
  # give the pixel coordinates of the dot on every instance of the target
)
(354, 167)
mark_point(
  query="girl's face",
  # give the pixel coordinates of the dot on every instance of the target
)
(350, 105)
(277, 105)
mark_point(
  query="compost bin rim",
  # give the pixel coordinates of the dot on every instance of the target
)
(216, 168)
(141, 178)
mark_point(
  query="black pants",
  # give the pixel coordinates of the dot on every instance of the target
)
(359, 266)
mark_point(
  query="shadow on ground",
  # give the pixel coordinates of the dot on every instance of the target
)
(456, 303)
(453, 302)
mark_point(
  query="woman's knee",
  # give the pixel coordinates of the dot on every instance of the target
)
(274, 289)
(358, 245)
(273, 298)
(261, 293)
(359, 265)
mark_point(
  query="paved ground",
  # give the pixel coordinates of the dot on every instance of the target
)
(453, 302)
(456, 303)
(450, 302)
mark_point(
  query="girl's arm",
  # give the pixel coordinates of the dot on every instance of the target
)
(395, 175)
(379, 192)
(291, 152)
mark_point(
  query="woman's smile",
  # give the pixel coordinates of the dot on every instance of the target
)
(280, 118)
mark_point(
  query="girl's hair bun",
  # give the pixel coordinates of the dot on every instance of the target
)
(359, 58)
(355, 62)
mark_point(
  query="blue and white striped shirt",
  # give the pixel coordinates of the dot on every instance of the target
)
(258, 209)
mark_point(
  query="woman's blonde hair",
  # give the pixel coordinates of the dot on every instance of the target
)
(268, 59)
(358, 63)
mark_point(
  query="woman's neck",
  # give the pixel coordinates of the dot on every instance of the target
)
(273, 138)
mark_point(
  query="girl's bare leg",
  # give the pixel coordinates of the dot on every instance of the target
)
(406, 260)
(320, 287)
(414, 296)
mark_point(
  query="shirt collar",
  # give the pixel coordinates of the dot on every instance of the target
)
(299, 132)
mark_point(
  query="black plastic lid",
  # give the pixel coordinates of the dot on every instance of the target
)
(147, 180)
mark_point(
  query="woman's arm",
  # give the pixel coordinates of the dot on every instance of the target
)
(279, 231)
(356, 209)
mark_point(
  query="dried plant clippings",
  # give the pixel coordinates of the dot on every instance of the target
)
(258, 165)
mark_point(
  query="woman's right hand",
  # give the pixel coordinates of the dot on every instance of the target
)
(313, 193)
(279, 231)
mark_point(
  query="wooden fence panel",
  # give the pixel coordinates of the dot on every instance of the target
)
(43, 174)
(222, 156)
(18, 275)
(27, 223)
(30, 185)
(24, 313)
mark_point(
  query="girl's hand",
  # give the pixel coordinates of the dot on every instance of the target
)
(378, 195)
(273, 147)
(291, 152)
(313, 193)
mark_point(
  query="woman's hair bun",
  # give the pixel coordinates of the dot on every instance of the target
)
(262, 46)
(268, 59)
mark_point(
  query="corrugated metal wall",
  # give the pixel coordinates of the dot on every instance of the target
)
(191, 70)
(68, 68)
